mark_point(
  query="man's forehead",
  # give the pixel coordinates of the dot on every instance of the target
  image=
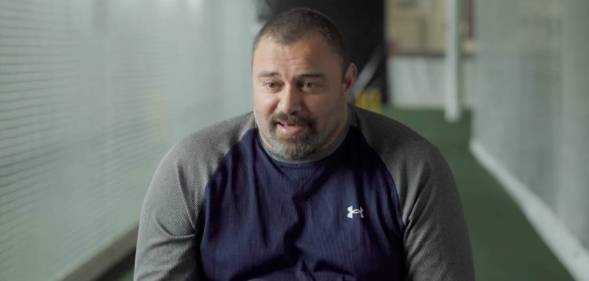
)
(308, 46)
(305, 56)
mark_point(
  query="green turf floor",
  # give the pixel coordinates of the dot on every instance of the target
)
(505, 246)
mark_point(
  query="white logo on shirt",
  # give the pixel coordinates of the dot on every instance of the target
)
(352, 212)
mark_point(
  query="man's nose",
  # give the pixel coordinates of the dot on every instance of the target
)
(290, 100)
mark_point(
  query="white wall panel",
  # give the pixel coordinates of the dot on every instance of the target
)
(92, 93)
(531, 114)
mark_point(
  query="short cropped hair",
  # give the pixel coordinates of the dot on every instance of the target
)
(298, 23)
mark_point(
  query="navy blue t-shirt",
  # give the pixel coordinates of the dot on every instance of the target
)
(332, 219)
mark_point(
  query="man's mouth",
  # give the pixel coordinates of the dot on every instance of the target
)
(290, 128)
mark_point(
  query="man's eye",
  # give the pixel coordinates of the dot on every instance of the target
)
(307, 85)
(271, 85)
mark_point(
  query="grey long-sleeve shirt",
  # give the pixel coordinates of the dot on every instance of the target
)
(382, 205)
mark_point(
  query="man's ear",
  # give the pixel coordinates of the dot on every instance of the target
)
(350, 77)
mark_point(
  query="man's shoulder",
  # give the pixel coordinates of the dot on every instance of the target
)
(390, 137)
(213, 142)
(413, 162)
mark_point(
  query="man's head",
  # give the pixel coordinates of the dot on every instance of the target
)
(301, 78)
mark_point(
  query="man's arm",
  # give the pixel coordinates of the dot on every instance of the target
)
(436, 240)
(435, 237)
(166, 246)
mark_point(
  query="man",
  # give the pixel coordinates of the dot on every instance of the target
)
(306, 187)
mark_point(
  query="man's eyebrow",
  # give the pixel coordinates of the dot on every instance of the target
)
(267, 74)
(311, 75)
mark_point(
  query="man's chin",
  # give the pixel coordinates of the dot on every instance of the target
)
(295, 140)
(292, 149)
(295, 153)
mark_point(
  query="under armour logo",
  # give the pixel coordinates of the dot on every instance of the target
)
(352, 212)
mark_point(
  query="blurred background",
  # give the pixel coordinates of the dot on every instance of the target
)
(94, 92)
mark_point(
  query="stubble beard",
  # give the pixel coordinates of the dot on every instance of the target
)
(296, 147)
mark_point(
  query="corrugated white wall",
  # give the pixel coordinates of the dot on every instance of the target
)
(531, 115)
(92, 93)
(418, 82)
(573, 198)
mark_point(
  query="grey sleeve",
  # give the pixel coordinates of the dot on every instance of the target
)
(166, 246)
(437, 247)
(435, 234)
(167, 243)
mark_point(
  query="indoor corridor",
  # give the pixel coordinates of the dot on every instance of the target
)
(93, 93)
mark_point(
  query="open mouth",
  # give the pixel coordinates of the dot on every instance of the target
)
(290, 128)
